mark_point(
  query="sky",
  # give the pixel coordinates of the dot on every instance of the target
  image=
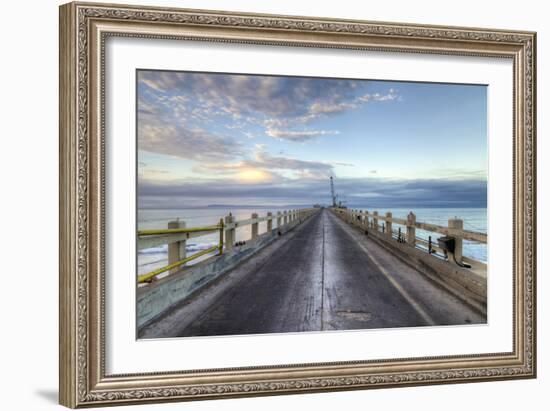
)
(209, 139)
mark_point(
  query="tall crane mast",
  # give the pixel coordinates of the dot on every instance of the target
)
(332, 192)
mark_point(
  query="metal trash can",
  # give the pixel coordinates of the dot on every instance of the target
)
(446, 243)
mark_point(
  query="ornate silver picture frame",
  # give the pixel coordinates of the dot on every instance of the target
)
(85, 28)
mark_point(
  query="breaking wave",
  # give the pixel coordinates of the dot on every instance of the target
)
(163, 249)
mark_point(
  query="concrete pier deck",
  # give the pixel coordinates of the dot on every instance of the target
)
(324, 275)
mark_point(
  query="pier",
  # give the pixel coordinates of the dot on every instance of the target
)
(312, 270)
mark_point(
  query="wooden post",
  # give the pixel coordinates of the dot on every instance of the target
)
(375, 220)
(389, 231)
(269, 222)
(229, 233)
(456, 226)
(176, 251)
(278, 219)
(285, 217)
(366, 222)
(254, 226)
(411, 229)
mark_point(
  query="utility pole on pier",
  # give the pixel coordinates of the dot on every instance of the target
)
(332, 192)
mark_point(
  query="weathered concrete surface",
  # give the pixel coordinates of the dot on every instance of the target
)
(323, 276)
(156, 299)
(469, 285)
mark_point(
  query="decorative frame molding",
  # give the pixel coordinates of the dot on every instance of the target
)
(83, 30)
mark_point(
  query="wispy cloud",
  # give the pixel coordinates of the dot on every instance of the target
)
(461, 173)
(267, 101)
(299, 135)
(330, 107)
(278, 167)
(389, 96)
(179, 141)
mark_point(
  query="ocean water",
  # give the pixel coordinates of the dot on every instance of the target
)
(475, 219)
(157, 257)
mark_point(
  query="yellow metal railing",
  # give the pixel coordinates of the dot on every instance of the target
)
(220, 227)
(178, 230)
(146, 277)
(155, 237)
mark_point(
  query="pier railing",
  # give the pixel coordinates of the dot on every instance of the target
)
(455, 231)
(177, 234)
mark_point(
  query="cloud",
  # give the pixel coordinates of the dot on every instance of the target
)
(155, 171)
(300, 135)
(374, 193)
(461, 173)
(330, 107)
(265, 160)
(273, 102)
(390, 96)
(240, 94)
(340, 163)
(179, 141)
(277, 167)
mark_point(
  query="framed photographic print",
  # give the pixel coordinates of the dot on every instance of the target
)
(258, 204)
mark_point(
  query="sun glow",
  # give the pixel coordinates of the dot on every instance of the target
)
(253, 175)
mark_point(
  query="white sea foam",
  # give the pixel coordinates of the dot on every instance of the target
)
(199, 247)
(163, 249)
